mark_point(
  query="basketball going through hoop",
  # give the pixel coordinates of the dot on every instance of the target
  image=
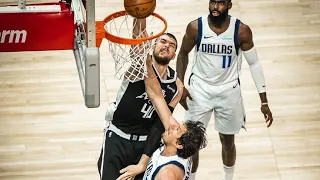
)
(123, 47)
(140, 8)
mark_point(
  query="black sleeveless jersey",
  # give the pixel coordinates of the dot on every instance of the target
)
(134, 113)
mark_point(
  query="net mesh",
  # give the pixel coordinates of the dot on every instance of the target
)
(130, 60)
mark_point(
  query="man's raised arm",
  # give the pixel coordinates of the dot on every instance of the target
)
(155, 95)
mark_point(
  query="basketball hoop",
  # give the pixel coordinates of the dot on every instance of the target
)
(129, 54)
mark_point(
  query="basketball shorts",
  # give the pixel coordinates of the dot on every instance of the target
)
(224, 100)
(118, 153)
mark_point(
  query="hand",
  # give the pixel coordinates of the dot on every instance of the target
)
(173, 122)
(130, 172)
(267, 114)
(183, 100)
(146, 45)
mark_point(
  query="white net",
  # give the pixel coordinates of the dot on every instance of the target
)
(130, 60)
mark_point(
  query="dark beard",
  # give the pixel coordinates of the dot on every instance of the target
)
(218, 20)
(161, 60)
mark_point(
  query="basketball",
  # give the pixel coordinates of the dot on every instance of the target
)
(140, 8)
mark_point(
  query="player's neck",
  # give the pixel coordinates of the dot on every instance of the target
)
(161, 69)
(169, 151)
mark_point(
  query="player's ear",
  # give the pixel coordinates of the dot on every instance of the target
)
(178, 145)
(229, 4)
(174, 56)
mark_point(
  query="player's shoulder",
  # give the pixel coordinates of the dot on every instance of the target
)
(178, 81)
(193, 25)
(172, 74)
(171, 171)
(244, 27)
(244, 32)
(171, 70)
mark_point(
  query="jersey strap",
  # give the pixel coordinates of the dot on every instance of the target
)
(170, 162)
(199, 32)
(236, 36)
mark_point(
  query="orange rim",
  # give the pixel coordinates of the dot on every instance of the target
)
(130, 41)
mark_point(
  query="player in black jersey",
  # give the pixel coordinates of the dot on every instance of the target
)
(173, 160)
(134, 129)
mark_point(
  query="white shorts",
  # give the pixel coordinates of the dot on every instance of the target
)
(225, 100)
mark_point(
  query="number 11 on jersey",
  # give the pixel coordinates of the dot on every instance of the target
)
(224, 61)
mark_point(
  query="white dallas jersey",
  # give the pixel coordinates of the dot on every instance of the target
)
(217, 58)
(157, 161)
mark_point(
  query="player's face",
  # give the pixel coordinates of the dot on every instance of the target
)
(219, 10)
(164, 50)
(170, 137)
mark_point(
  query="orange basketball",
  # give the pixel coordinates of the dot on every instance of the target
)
(140, 8)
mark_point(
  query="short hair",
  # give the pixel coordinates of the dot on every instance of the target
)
(193, 139)
(172, 36)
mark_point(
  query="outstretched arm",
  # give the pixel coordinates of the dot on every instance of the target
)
(250, 53)
(155, 95)
(138, 31)
(154, 136)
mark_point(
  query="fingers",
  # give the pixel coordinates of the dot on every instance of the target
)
(265, 116)
(125, 176)
(184, 104)
(270, 119)
(144, 34)
(173, 122)
(121, 177)
(268, 116)
(184, 97)
(123, 170)
(189, 96)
